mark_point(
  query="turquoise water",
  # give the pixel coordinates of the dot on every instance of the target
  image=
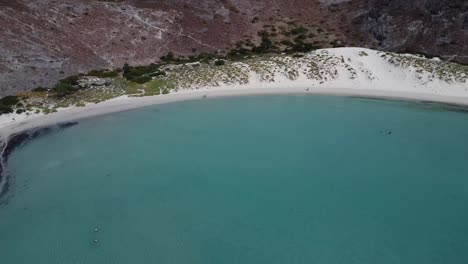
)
(270, 179)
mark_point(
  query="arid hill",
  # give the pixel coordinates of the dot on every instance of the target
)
(42, 41)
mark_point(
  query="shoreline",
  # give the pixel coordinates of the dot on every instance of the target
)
(21, 131)
(7, 146)
(348, 71)
(125, 103)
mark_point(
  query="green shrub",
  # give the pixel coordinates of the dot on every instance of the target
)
(300, 38)
(286, 42)
(265, 46)
(126, 68)
(157, 73)
(103, 73)
(263, 34)
(299, 30)
(363, 53)
(142, 74)
(168, 58)
(4, 109)
(62, 89)
(140, 79)
(206, 57)
(9, 100)
(238, 52)
(66, 86)
(301, 47)
(40, 89)
(7, 103)
(71, 80)
(220, 62)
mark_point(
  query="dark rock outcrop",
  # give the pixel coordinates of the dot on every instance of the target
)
(431, 27)
(19, 139)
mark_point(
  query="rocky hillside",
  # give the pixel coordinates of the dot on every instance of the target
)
(42, 41)
(431, 27)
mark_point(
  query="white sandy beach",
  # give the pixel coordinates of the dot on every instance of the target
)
(388, 82)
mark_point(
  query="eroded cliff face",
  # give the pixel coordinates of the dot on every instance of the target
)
(42, 41)
(433, 27)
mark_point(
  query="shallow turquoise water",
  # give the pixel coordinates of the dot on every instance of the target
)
(271, 179)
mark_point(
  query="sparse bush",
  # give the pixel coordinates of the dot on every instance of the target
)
(300, 38)
(286, 43)
(7, 103)
(205, 57)
(265, 46)
(9, 100)
(363, 53)
(238, 53)
(62, 89)
(299, 30)
(168, 57)
(103, 73)
(337, 43)
(40, 89)
(126, 68)
(5, 109)
(157, 73)
(263, 34)
(71, 80)
(140, 79)
(142, 74)
(301, 47)
(220, 62)
(66, 86)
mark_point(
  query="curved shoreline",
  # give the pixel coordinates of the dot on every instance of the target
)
(21, 131)
(348, 71)
(18, 139)
(125, 103)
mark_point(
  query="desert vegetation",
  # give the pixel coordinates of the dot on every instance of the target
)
(285, 51)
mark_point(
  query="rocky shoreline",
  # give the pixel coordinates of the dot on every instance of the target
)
(17, 140)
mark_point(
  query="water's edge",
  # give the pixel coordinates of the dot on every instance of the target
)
(452, 107)
(17, 140)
